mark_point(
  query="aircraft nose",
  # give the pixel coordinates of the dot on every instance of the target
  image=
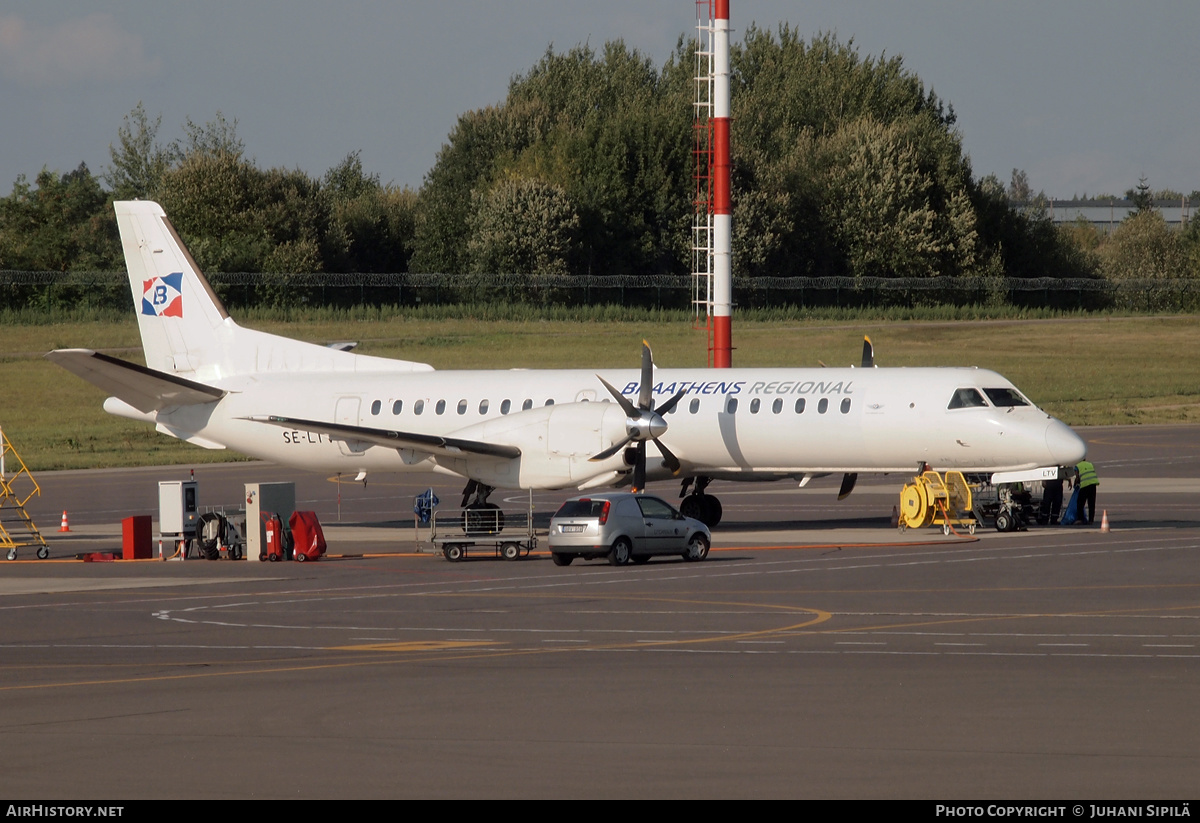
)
(1066, 447)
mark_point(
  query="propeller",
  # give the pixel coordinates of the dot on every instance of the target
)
(642, 422)
(868, 362)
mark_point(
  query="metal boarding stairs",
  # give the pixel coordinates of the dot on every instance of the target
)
(16, 526)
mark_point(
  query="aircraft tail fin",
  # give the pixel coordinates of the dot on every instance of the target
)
(179, 315)
(185, 328)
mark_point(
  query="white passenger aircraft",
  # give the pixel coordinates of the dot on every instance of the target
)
(217, 385)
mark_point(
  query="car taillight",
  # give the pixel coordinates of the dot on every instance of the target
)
(604, 512)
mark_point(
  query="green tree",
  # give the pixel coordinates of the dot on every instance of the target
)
(61, 222)
(522, 225)
(139, 163)
(1144, 247)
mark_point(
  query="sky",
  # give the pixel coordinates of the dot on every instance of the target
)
(1086, 96)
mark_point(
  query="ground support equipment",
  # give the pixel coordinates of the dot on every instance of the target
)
(458, 532)
(936, 500)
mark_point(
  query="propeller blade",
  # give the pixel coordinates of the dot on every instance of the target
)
(646, 395)
(848, 481)
(868, 358)
(611, 450)
(639, 468)
(669, 458)
(670, 404)
(623, 401)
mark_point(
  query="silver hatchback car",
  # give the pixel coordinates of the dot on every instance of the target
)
(623, 527)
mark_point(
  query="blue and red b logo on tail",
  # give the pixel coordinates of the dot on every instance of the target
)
(163, 296)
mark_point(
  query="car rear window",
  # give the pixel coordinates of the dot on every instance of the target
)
(581, 508)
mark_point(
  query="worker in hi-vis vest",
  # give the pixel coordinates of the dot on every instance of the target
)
(1087, 481)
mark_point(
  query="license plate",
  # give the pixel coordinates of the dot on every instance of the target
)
(573, 529)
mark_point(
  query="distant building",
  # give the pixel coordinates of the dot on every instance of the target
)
(1107, 215)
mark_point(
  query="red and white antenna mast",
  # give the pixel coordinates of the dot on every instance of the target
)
(712, 237)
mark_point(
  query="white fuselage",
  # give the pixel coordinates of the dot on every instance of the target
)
(787, 422)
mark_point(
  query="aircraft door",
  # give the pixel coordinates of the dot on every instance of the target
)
(346, 414)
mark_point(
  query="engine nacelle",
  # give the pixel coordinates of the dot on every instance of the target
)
(556, 443)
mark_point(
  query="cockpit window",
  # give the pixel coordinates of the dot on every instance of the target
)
(1005, 398)
(966, 399)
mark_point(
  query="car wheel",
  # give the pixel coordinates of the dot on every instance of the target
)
(562, 559)
(619, 554)
(511, 551)
(697, 548)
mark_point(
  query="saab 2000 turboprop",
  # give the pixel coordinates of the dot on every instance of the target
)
(217, 385)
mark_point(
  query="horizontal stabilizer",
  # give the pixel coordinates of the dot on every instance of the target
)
(145, 389)
(430, 443)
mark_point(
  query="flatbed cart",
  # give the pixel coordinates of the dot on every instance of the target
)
(458, 532)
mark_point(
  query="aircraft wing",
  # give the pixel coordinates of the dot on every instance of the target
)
(145, 389)
(431, 443)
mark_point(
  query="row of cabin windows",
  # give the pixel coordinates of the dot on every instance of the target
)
(731, 406)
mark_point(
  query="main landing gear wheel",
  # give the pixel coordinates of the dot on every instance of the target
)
(483, 519)
(453, 552)
(619, 554)
(703, 507)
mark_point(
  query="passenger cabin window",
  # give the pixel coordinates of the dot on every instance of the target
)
(731, 405)
(527, 405)
(483, 406)
(398, 407)
(505, 406)
(418, 407)
(440, 408)
(550, 402)
(823, 405)
(1005, 398)
(800, 406)
(376, 406)
(845, 405)
(966, 399)
(754, 406)
(462, 406)
(777, 406)
(694, 406)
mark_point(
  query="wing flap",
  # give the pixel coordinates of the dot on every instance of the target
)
(145, 389)
(431, 443)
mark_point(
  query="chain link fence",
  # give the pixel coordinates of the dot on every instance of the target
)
(33, 290)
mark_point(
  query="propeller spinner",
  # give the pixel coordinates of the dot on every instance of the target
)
(642, 422)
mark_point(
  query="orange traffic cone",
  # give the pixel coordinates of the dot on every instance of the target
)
(1104, 521)
(65, 527)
